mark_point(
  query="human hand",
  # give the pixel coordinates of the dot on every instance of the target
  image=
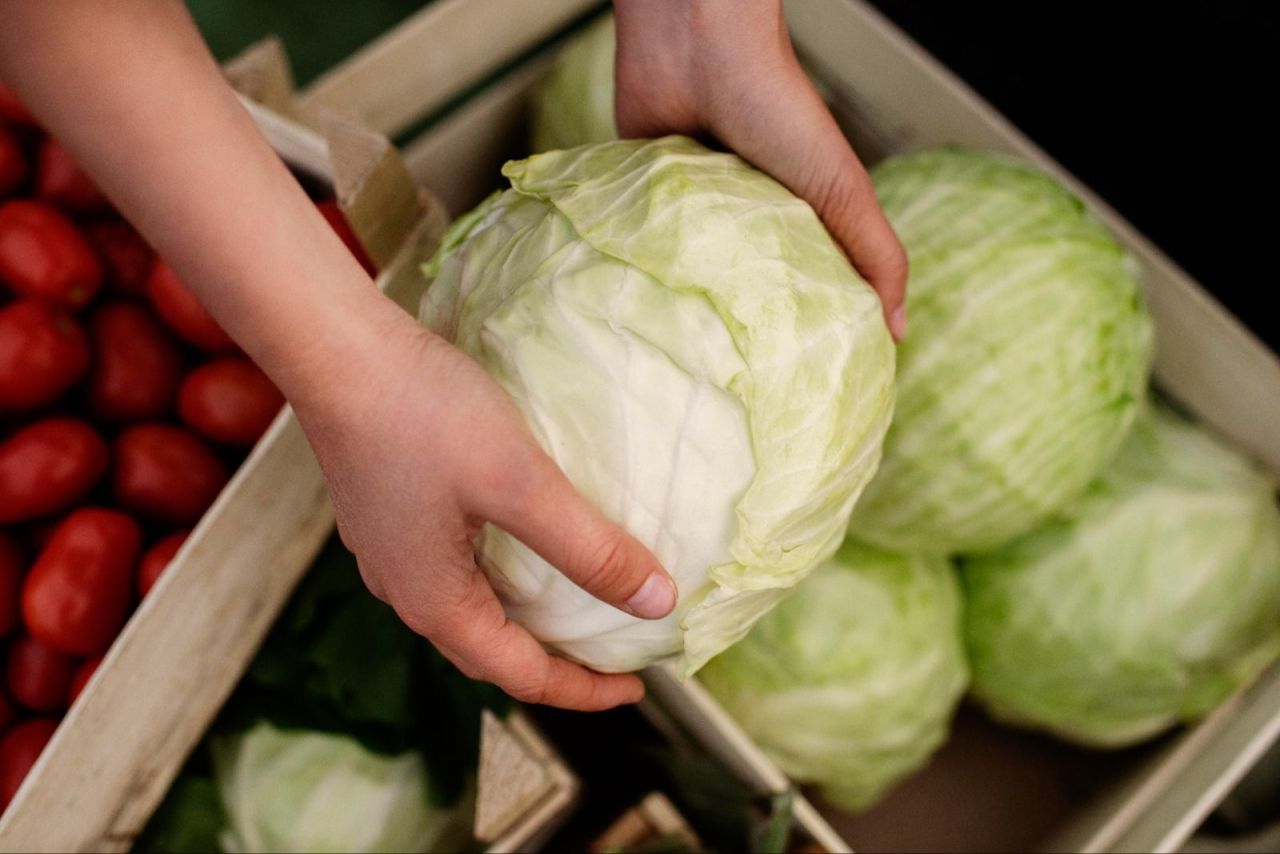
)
(417, 459)
(726, 68)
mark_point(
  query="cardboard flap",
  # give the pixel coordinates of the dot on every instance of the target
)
(372, 185)
(261, 72)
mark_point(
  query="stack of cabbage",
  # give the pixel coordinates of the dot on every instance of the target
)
(1121, 567)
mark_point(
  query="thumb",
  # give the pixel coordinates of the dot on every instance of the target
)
(543, 510)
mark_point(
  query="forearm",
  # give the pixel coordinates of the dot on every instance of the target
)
(133, 93)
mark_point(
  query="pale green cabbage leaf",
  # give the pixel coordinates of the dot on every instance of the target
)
(1145, 604)
(302, 790)
(574, 105)
(1026, 360)
(688, 343)
(852, 681)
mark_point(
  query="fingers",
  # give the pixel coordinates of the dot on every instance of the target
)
(853, 216)
(485, 645)
(536, 503)
(810, 155)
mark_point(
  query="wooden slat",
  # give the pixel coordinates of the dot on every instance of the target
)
(458, 158)
(450, 45)
(724, 739)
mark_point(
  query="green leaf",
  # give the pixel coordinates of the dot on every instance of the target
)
(189, 820)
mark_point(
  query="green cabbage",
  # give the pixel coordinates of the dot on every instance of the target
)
(301, 790)
(1145, 604)
(851, 682)
(574, 105)
(687, 342)
(1025, 363)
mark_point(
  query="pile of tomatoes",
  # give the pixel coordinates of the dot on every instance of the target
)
(123, 409)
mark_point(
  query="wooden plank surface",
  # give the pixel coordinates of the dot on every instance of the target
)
(448, 46)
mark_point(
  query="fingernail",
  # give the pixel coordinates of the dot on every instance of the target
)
(655, 598)
(898, 322)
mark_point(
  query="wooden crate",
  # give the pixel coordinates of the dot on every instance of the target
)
(181, 654)
(891, 96)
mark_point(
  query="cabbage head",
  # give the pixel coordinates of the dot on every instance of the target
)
(301, 790)
(852, 681)
(574, 105)
(1143, 605)
(690, 346)
(1026, 360)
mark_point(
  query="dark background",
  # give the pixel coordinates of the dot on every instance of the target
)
(1167, 111)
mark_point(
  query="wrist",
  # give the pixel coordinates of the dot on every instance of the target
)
(346, 351)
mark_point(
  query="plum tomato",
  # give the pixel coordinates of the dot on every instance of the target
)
(43, 352)
(38, 676)
(47, 466)
(165, 473)
(229, 400)
(137, 365)
(77, 593)
(44, 255)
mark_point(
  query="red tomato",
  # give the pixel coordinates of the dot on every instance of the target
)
(43, 254)
(136, 364)
(157, 558)
(47, 466)
(229, 400)
(12, 109)
(11, 566)
(127, 256)
(81, 677)
(60, 180)
(179, 307)
(330, 210)
(13, 163)
(7, 713)
(166, 473)
(38, 533)
(77, 593)
(19, 750)
(11, 571)
(42, 354)
(38, 676)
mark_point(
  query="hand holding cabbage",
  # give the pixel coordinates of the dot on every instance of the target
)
(687, 342)
(724, 70)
